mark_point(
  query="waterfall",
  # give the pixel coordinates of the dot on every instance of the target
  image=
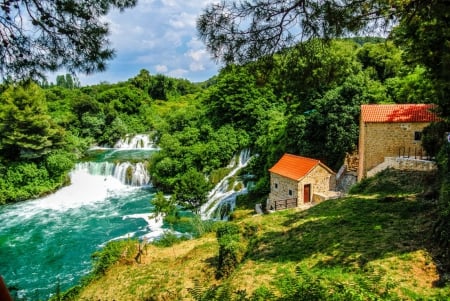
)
(140, 141)
(221, 198)
(134, 174)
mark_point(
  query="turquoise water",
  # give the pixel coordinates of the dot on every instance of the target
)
(110, 155)
(48, 242)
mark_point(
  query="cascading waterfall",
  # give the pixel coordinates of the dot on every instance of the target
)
(134, 174)
(109, 198)
(222, 198)
(140, 141)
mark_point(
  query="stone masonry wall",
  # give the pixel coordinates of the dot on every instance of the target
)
(320, 179)
(403, 164)
(280, 186)
(380, 140)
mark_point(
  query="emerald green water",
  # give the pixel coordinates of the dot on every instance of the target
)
(48, 242)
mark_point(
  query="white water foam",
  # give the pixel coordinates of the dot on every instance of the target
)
(220, 194)
(155, 225)
(139, 141)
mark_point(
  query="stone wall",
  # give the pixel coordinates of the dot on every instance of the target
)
(321, 180)
(380, 140)
(403, 164)
(280, 186)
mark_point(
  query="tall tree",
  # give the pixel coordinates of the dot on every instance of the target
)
(424, 34)
(26, 129)
(40, 36)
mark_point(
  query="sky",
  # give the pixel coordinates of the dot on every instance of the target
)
(159, 36)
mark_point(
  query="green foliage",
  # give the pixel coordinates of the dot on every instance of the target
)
(411, 86)
(200, 227)
(26, 129)
(306, 286)
(231, 249)
(235, 99)
(214, 293)
(165, 207)
(383, 58)
(20, 181)
(112, 253)
(69, 35)
(67, 81)
(391, 181)
(433, 137)
(168, 239)
(423, 33)
(191, 189)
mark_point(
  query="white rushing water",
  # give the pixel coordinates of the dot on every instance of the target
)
(48, 242)
(221, 194)
(139, 141)
(134, 174)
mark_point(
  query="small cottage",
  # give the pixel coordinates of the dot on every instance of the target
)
(296, 181)
(389, 131)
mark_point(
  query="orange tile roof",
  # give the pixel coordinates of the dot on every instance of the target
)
(295, 167)
(398, 113)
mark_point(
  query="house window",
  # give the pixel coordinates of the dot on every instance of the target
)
(417, 136)
(290, 192)
(276, 185)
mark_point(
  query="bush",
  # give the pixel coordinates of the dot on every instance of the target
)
(231, 249)
(112, 253)
(168, 239)
(59, 164)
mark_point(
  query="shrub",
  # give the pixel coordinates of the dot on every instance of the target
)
(231, 249)
(168, 239)
(112, 253)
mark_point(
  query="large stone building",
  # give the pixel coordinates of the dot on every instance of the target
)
(391, 130)
(296, 181)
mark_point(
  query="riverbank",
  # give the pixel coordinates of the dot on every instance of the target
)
(360, 245)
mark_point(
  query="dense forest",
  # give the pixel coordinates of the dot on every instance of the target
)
(305, 100)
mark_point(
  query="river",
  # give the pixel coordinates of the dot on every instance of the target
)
(48, 242)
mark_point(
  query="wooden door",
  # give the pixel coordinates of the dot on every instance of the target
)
(307, 193)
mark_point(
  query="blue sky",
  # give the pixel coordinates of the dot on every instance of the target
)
(157, 35)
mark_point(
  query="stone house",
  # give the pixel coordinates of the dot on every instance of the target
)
(391, 130)
(296, 181)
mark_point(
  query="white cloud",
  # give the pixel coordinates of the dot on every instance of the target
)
(183, 21)
(178, 73)
(160, 36)
(161, 68)
(196, 66)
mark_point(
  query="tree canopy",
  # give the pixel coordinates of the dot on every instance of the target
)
(246, 30)
(40, 36)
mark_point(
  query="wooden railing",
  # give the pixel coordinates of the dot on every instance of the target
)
(285, 204)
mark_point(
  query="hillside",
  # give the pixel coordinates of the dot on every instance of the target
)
(362, 247)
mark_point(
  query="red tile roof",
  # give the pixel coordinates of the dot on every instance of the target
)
(295, 167)
(398, 113)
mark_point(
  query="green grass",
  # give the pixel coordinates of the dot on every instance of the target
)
(362, 247)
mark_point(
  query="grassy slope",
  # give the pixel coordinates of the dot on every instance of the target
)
(359, 241)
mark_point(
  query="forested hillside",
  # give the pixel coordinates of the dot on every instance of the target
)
(305, 100)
